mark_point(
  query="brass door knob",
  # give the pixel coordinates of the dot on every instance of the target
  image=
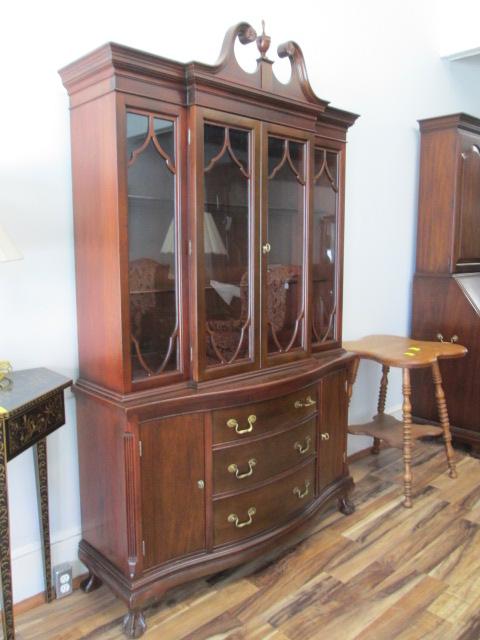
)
(266, 248)
(325, 436)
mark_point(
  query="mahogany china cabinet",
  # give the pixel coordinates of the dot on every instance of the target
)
(446, 290)
(211, 402)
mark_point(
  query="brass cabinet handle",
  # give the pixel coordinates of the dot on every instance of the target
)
(302, 494)
(233, 518)
(298, 446)
(267, 247)
(233, 424)
(308, 402)
(453, 339)
(233, 468)
(325, 436)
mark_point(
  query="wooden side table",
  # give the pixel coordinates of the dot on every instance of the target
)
(396, 351)
(31, 407)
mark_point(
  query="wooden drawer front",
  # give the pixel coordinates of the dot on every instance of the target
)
(251, 512)
(243, 465)
(243, 422)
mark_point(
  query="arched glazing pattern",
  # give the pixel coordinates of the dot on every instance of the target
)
(227, 185)
(325, 230)
(152, 244)
(285, 306)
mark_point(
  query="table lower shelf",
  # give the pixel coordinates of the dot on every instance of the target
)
(390, 430)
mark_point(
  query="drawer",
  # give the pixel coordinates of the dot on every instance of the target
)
(248, 513)
(242, 422)
(243, 465)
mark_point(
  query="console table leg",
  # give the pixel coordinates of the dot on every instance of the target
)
(444, 421)
(134, 624)
(5, 563)
(42, 490)
(407, 438)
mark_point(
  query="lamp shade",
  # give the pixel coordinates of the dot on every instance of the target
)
(211, 236)
(8, 251)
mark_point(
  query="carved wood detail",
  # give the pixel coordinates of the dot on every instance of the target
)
(130, 484)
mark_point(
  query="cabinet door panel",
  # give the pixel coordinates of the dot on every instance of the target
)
(333, 427)
(173, 506)
(325, 246)
(469, 236)
(284, 248)
(227, 193)
(153, 232)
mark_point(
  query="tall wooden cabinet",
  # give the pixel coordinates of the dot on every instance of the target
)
(212, 401)
(446, 290)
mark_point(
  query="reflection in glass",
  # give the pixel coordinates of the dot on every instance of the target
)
(324, 246)
(285, 259)
(226, 243)
(152, 245)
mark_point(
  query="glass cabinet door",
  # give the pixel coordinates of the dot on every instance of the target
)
(284, 245)
(152, 244)
(324, 258)
(227, 236)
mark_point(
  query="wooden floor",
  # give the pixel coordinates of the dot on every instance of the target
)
(383, 573)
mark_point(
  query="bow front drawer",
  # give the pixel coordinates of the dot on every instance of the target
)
(243, 465)
(248, 513)
(242, 422)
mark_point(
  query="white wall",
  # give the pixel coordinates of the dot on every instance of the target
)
(379, 59)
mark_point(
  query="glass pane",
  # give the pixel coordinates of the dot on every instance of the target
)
(285, 229)
(152, 245)
(226, 244)
(324, 246)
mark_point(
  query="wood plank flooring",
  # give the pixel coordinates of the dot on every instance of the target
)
(383, 573)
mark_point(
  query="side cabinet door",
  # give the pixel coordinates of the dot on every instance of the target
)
(332, 437)
(173, 503)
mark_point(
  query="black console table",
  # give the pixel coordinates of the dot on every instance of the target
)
(31, 407)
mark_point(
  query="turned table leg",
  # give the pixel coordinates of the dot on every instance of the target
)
(444, 421)
(382, 397)
(407, 438)
(134, 624)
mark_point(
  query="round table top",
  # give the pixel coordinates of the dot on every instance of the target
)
(397, 351)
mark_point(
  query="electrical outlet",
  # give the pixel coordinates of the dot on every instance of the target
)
(62, 579)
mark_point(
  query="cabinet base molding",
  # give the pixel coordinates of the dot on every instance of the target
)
(141, 592)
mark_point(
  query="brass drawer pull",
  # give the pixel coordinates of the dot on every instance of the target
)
(298, 446)
(233, 424)
(302, 494)
(325, 436)
(453, 339)
(308, 402)
(233, 518)
(233, 468)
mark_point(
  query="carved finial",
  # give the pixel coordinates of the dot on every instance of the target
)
(263, 42)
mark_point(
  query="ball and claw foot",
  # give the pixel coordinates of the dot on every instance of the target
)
(346, 506)
(90, 583)
(134, 624)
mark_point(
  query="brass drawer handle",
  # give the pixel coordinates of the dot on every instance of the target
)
(308, 402)
(233, 424)
(233, 518)
(325, 436)
(298, 446)
(453, 339)
(233, 468)
(302, 494)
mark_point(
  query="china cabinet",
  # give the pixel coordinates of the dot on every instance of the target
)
(211, 403)
(446, 290)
